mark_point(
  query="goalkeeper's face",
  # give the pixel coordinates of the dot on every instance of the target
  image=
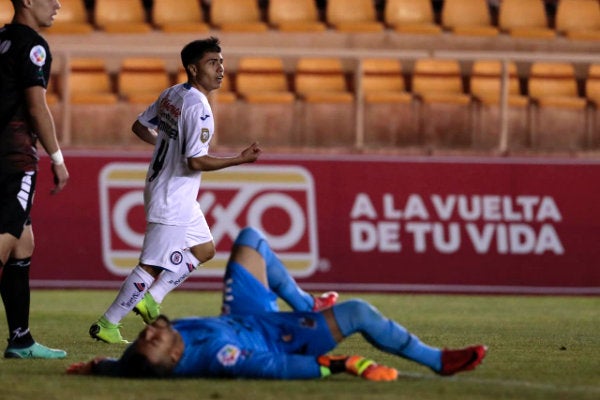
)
(160, 343)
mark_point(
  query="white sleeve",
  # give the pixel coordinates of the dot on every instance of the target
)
(197, 126)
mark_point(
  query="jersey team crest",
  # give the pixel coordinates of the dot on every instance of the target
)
(228, 355)
(176, 257)
(204, 135)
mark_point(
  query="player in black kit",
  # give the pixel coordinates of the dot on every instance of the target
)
(24, 119)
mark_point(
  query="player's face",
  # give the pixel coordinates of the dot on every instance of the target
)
(209, 72)
(157, 342)
(44, 11)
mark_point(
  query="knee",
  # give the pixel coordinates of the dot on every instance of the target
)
(24, 247)
(353, 315)
(361, 310)
(250, 237)
(204, 252)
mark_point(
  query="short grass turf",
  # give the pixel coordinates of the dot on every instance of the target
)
(540, 347)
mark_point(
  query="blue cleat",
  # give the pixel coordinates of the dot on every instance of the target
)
(36, 350)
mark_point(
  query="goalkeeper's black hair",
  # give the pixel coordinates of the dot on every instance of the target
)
(136, 365)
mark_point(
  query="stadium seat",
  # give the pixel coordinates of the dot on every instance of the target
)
(444, 116)
(72, 18)
(267, 107)
(141, 80)
(558, 120)
(592, 85)
(186, 16)
(439, 81)
(353, 16)
(485, 83)
(592, 93)
(89, 82)
(486, 90)
(262, 80)
(468, 17)
(389, 113)
(525, 19)
(121, 16)
(578, 19)
(326, 102)
(6, 12)
(236, 16)
(295, 16)
(383, 82)
(321, 80)
(554, 85)
(411, 16)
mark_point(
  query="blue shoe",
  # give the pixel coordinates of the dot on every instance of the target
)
(36, 350)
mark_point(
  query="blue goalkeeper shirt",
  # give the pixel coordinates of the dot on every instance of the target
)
(271, 345)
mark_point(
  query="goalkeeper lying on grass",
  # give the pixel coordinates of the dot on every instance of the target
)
(253, 339)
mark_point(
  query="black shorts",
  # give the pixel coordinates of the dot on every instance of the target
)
(16, 197)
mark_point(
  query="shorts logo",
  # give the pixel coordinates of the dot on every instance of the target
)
(176, 258)
(228, 355)
(37, 55)
(279, 200)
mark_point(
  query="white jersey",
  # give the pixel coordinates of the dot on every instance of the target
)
(184, 121)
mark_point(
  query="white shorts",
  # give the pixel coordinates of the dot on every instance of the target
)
(164, 245)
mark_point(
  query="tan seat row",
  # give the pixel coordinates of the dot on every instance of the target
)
(575, 19)
(433, 103)
(321, 80)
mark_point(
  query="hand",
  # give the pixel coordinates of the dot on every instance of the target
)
(83, 368)
(251, 153)
(61, 176)
(80, 368)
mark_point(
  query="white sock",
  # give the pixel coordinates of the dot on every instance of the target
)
(169, 280)
(132, 290)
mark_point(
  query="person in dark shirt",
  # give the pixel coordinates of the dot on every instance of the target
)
(253, 339)
(25, 119)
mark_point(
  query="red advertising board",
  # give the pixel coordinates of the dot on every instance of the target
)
(350, 223)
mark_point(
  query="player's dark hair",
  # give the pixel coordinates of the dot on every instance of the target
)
(136, 365)
(195, 50)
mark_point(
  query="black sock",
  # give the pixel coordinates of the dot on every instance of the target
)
(14, 288)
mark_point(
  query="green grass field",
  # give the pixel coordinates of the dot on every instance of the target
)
(539, 348)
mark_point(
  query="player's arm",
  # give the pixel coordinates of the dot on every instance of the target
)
(143, 132)
(43, 124)
(212, 163)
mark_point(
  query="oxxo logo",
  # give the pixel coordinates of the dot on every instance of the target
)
(278, 200)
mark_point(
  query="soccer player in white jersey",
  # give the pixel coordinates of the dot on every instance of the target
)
(180, 124)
